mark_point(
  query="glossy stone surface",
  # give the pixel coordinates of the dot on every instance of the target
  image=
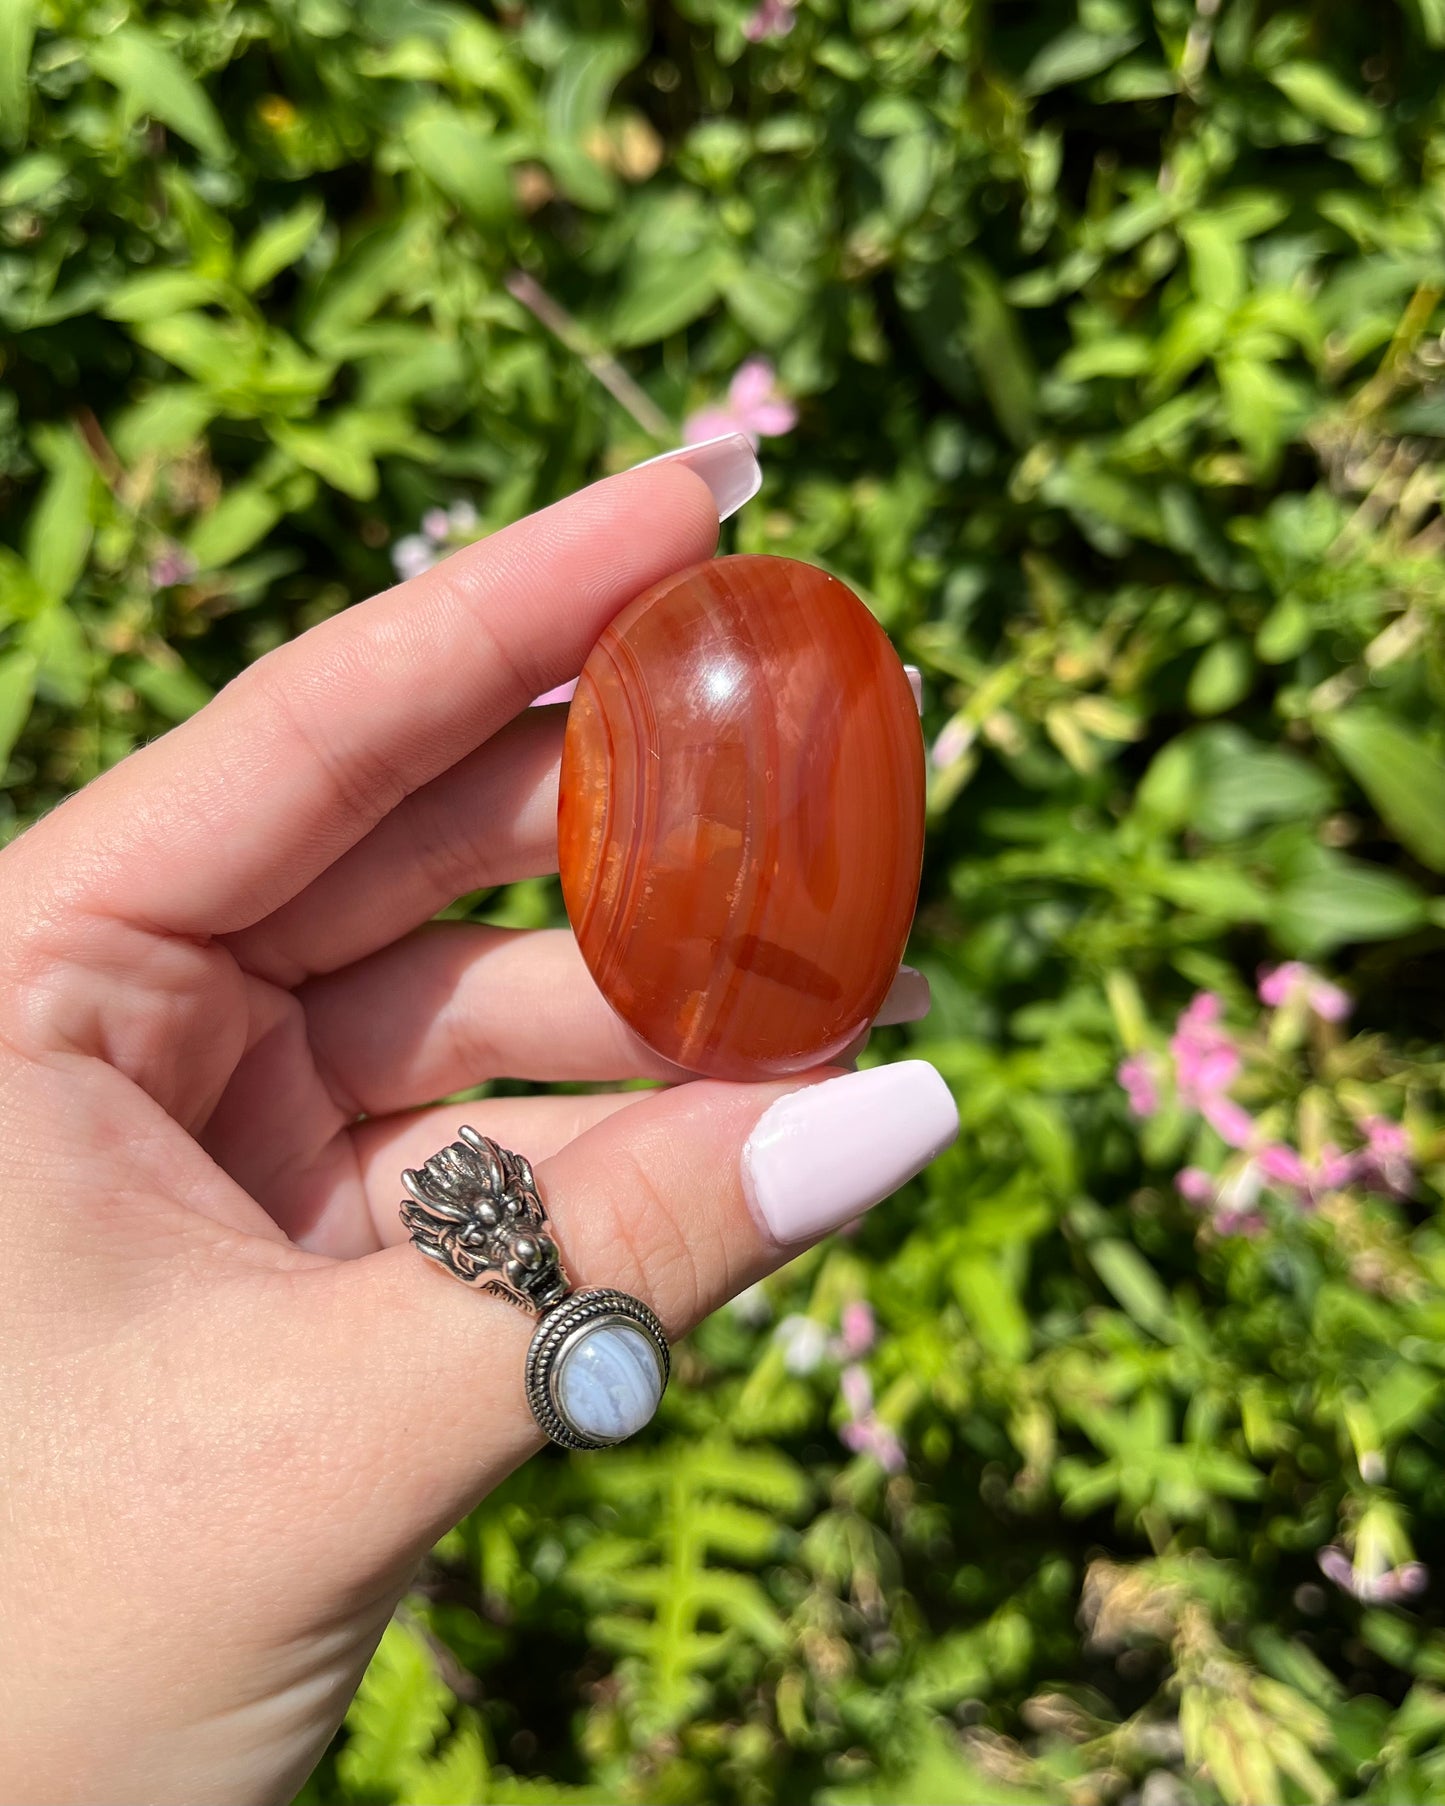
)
(607, 1383)
(741, 817)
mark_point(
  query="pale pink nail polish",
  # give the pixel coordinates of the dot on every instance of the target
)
(819, 1157)
(909, 999)
(728, 465)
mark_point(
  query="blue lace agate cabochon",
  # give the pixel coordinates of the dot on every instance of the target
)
(607, 1385)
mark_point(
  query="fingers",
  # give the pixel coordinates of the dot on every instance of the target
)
(233, 813)
(341, 1199)
(490, 819)
(683, 1198)
(455, 1004)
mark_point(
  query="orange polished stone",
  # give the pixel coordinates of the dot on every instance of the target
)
(741, 816)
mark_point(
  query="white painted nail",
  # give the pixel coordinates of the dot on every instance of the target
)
(819, 1157)
(915, 683)
(728, 465)
(909, 999)
(563, 693)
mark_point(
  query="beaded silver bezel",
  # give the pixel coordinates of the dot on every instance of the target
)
(578, 1314)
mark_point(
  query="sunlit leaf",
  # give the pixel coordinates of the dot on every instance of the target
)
(153, 80)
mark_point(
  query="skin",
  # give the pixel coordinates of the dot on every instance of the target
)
(235, 1412)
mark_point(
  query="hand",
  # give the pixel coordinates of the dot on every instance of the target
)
(235, 1413)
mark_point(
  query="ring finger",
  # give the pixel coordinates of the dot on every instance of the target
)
(457, 1003)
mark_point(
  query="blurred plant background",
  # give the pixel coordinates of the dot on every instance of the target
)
(1098, 344)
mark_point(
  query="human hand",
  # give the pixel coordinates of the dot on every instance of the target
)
(235, 1413)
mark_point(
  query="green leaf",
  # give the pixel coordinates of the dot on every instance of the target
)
(167, 421)
(1135, 1284)
(157, 293)
(906, 172)
(1000, 353)
(29, 177)
(1216, 261)
(277, 245)
(767, 306)
(1403, 776)
(172, 690)
(243, 516)
(373, 268)
(1333, 901)
(63, 659)
(342, 450)
(152, 80)
(1222, 677)
(459, 155)
(1261, 407)
(1233, 784)
(17, 34)
(1072, 55)
(218, 353)
(17, 692)
(399, 1711)
(666, 296)
(1322, 96)
(460, 1773)
(57, 535)
(992, 1306)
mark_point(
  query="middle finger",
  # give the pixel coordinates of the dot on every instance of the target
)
(490, 819)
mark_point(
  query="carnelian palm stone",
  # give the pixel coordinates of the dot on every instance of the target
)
(741, 816)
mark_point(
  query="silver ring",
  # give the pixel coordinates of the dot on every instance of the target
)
(598, 1362)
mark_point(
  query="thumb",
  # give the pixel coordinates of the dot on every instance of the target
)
(682, 1199)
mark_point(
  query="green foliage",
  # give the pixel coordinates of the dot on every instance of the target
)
(1115, 330)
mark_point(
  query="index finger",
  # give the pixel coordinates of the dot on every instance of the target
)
(226, 817)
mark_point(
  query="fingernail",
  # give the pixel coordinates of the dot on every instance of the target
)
(915, 683)
(563, 693)
(909, 999)
(820, 1156)
(729, 466)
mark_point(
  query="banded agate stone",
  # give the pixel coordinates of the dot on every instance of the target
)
(741, 816)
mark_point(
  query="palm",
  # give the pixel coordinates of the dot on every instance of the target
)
(222, 1032)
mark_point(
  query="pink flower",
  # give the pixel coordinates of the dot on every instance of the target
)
(771, 19)
(171, 565)
(1206, 1060)
(436, 524)
(1308, 1181)
(1387, 1162)
(1206, 1064)
(1388, 1587)
(1136, 1075)
(862, 1431)
(413, 554)
(753, 408)
(1231, 1200)
(1283, 1165)
(1295, 979)
(857, 1331)
(954, 740)
(1230, 1121)
(870, 1437)
(1194, 1185)
(857, 1390)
